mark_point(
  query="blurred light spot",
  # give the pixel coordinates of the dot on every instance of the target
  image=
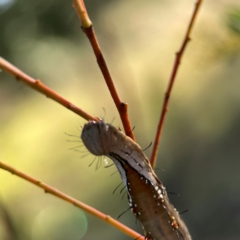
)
(106, 162)
(59, 223)
(5, 5)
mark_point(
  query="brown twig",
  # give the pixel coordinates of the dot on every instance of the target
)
(88, 30)
(85, 207)
(37, 85)
(40, 87)
(177, 62)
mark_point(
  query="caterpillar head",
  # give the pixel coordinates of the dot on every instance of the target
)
(99, 137)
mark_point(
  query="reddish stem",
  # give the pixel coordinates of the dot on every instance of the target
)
(85, 207)
(40, 87)
(177, 62)
(88, 30)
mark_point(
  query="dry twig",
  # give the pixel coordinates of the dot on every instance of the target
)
(88, 30)
(176, 65)
(85, 207)
(40, 87)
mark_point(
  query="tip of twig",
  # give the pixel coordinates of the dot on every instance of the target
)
(82, 13)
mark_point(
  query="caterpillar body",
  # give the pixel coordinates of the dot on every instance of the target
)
(147, 196)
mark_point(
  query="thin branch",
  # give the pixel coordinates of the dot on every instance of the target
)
(85, 207)
(177, 62)
(88, 30)
(40, 87)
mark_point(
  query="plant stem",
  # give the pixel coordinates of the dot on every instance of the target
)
(83, 206)
(87, 28)
(40, 87)
(175, 68)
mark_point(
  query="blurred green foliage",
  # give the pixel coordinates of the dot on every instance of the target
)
(234, 20)
(200, 143)
(52, 18)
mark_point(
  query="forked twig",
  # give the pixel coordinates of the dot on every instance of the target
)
(40, 87)
(176, 64)
(88, 30)
(122, 108)
(85, 207)
(37, 85)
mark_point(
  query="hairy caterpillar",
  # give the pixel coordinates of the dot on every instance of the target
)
(147, 196)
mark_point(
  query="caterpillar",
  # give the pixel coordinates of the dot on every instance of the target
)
(147, 196)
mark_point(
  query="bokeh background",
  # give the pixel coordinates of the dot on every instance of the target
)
(199, 153)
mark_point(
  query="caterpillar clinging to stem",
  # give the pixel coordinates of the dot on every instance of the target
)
(147, 196)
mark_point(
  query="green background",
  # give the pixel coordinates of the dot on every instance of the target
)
(199, 149)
